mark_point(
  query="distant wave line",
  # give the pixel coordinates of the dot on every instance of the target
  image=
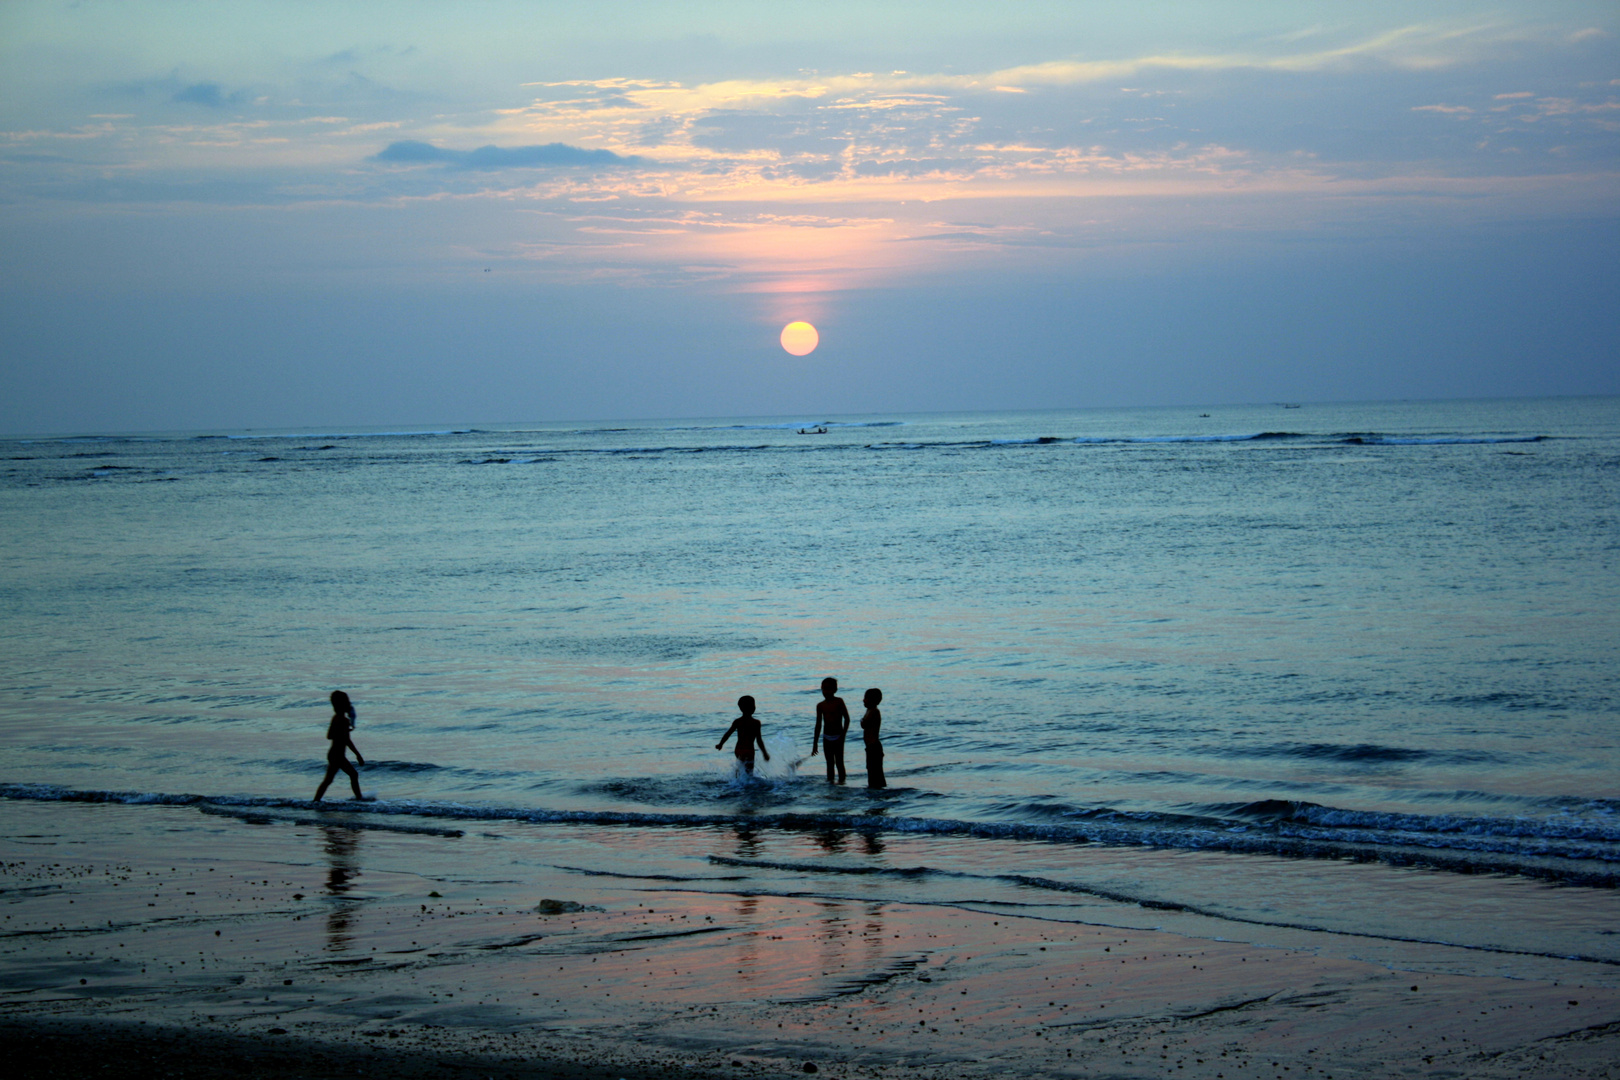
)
(527, 454)
(1350, 438)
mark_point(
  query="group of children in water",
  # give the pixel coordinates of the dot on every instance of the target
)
(832, 724)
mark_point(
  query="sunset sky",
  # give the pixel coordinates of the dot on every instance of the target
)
(267, 215)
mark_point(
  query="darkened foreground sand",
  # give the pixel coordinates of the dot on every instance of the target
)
(69, 1049)
(134, 945)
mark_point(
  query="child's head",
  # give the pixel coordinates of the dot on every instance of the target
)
(340, 703)
(829, 687)
(746, 704)
(873, 697)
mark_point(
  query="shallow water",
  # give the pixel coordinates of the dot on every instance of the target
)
(1314, 645)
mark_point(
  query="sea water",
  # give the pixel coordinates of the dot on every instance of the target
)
(1342, 670)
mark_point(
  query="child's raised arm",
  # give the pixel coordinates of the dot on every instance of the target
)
(721, 745)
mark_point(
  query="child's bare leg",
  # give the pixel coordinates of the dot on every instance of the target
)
(331, 771)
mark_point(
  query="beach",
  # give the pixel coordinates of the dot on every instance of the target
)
(1043, 541)
(287, 942)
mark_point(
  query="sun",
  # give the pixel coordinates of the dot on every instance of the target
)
(800, 338)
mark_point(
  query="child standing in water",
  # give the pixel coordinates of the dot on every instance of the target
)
(338, 733)
(832, 724)
(747, 729)
(871, 724)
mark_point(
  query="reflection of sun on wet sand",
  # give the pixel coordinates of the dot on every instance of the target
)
(175, 935)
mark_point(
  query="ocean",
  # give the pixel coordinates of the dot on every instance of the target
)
(1332, 677)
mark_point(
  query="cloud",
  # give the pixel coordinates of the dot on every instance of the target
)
(818, 128)
(910, 167)
(1416, 47)
(409, 152)
(205, 93)
(606, 102)
(1009, 132)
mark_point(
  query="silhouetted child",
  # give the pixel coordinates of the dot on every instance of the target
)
(871, 725)
(747, 729)
(342, 704)
(338, 732)
(832, 724)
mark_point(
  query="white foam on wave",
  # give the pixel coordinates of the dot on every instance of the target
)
(1442, 440)
(253, 436)
(1104, 439)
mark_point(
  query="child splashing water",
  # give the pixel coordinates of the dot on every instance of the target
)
(748, 733)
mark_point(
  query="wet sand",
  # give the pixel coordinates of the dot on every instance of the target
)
(132, 939)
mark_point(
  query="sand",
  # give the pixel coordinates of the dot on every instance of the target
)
(132, 938)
